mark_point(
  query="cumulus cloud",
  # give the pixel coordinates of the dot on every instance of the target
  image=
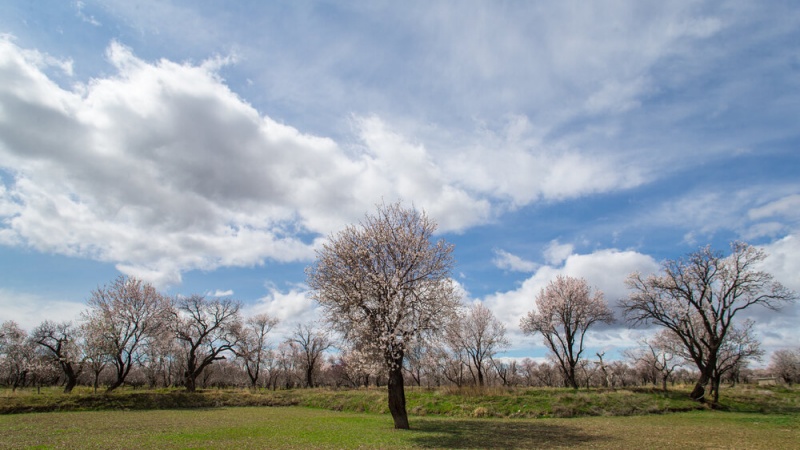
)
(30, 310)
(160, 168)
(508, 261)
(556, 253)
(605, 270)
(292, 308)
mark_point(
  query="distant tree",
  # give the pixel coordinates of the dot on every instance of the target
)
(661, 353)
(384, 282)
(253, 348)
(17, 354)
(507, 371)
(157, 358)
(697, 298)
(565, 310)
(125, 314)
(62, 345)
(785, 364)
(739, 348)
(96, 357)
(207, 330)
(288, 362)
(311, 344)
(481, 336)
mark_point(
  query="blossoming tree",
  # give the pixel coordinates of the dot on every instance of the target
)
(382, 284)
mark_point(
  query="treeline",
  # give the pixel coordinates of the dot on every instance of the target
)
(133, 335)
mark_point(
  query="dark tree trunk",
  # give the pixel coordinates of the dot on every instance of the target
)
(699, 391)
(190, 381)
(310, 376)
(397, 396)
(72, 377)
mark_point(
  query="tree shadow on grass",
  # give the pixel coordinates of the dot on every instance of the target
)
(497, 434)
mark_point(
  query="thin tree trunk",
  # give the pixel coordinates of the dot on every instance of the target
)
(397, 396)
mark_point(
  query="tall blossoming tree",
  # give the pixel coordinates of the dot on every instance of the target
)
(565, 310)
(382, 284)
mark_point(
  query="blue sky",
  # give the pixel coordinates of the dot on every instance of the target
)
(210, 147)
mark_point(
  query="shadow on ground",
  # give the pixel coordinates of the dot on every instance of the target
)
(498, 434)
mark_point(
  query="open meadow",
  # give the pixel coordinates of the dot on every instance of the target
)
(497, 418)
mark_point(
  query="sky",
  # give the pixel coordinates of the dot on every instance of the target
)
(210, 147)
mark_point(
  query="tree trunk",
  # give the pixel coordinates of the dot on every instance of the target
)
(117, 383)
(71, 382)
(190, 381)
(699, 391)
(310, 376)
(397, 396)
(72, 378)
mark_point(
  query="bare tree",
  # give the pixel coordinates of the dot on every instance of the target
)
(481, 336)
(125, 314)
(785, 364)
(207, 329)
(384, 282)
(565, 310)
(253, 346)
(697, 298)
(96, 358)
(661, 354)
(739, 348)
(61, 343)
(311, 344)
(157, 358)
(288, 356)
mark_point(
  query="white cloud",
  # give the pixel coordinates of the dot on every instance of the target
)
(220, 293)
(788, 206)
(30, 310)
(556, 253)
(508, 261)
(162, 169)
(752, 212)
(292, 308)
(605, 270)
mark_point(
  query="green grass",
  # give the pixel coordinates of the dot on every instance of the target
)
(449, 402)
(295, 427)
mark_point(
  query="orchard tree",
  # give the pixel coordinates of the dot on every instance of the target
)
(739, 348)
(384, 282)
(17, 354)
(206, 329)
(61, 342)
(785, 364)
(124, 315)
(311, 344)
(481, 336)
(565, 310)
(253, 346)
(698, 297)
(661, 353)
(96, 357)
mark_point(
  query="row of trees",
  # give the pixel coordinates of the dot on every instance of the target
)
(385, 287)
(302, 360)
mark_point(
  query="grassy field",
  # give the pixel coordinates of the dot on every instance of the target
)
(449, 402)
(750, 417)
(296, 427)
